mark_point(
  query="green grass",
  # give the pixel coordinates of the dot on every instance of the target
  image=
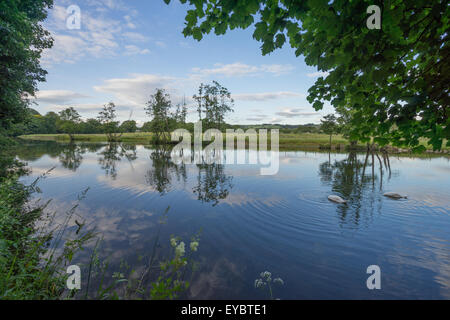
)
(288, 141)
(126, 137)
(304, 139)
(310, 139)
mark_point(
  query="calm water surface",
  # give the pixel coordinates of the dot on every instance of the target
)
(251, 223)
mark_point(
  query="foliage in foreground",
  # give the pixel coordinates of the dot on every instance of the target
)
(391, 83)
(266, 282)
(162, 278)
(30, 265)
(35, 252)
(23, 38)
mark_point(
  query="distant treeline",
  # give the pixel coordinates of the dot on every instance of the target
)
(51, 123)
(213, 103)
(284, 128)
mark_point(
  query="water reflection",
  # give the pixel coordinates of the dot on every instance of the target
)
(70, 156)
(67, 153)
(282, 223)
(213, 184)
(162, 170)
(114, 153)
(356, 180)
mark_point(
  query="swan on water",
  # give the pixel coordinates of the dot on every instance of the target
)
(336, 199)
(394, 195)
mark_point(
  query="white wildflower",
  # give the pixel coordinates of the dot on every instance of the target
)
(259, 283)
(279, 281)
(266, 275)
(194, 245)
(179, 250)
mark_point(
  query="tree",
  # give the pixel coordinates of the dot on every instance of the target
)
(69, 120)
(107, 117)
(91, 126)
(128, 126)
(395, 79)
(23, 39)
(181, 112)
(344, 121)
(50, 120)
(214, 101)
(147, 127)
(199, 99)
(158, 107)
(329, 125)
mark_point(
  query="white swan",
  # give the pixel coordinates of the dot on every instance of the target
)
(394, 195)
(336, 199)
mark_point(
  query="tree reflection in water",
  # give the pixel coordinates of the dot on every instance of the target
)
(351, 179)
(163, 168)
(71, 157)
(212, 185)
(113, 153)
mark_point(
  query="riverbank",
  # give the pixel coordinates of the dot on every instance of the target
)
(288, 141)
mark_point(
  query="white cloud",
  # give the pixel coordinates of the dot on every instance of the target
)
(100, 36)
(129, 22)
(58, 96)
(161, 44)
(295, 112)
(266, 96)
(257, 117)
(132, 50)
(108, 4)
(317, 74)
(137, 89)
(185, 45)
(135, 37)
(238, 69)
(277, 69)
(86, 107)
(275, 120)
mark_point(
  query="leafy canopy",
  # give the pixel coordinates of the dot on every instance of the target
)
(329, 124)
(158, 107)
(22, 41)
(128, 126)
(394, 80)
(107, 117)
(214, 102)
(69, 120)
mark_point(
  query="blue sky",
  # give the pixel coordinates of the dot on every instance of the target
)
(126, 49)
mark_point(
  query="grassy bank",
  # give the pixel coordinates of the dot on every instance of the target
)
(288, 141)
(143, 137)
